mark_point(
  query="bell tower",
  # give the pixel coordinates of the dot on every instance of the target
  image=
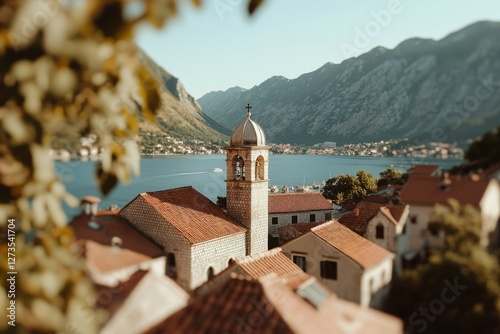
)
(247, 161)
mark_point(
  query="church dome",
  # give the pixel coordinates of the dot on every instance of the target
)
(248, 132)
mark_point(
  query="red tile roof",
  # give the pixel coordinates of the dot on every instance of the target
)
(273, 261)
(96, 243)
(427, 170)
(429, 190)
(106, 258)
(298, 202)
(360, 250)
(357, 220)
(267, 306)
(112, 298)
(196, 217)
(226, 309)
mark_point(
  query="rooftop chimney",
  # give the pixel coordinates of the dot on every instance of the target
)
(90, 205)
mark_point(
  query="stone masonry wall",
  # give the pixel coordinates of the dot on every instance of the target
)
(151, 223)
(216, 254)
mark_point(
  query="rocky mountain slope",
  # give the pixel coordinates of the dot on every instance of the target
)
(426, 90)
(181, 116)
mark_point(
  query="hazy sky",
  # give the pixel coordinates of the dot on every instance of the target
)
(218, 46)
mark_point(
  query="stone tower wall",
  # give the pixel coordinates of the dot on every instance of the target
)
(247, 200)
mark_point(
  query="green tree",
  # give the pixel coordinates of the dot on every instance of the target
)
(458, 290)
(222, 202)
(350, 187)
(485, 151)
(72, 65)
(482, 153)
(391, 176)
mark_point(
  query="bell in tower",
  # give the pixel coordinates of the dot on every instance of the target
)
(247, 161)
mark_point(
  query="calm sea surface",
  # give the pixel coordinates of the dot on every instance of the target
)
(172, 171)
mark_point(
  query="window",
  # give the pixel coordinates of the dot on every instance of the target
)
(295, 219)
(171, 266)
(328, 216)
(274, 220)
(329, 270)
(379, 231)
(239, 164)
(312, 217)
(210, 272)
(404, 228)
(413, 219)
(300, 261)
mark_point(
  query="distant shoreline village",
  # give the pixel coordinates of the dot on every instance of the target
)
(167, 145)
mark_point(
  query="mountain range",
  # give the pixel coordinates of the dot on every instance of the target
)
(180, 115)
(424, 90)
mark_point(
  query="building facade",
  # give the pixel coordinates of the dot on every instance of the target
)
(352, 267)
(297, 208)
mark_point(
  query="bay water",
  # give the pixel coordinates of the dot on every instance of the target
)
(171, 171)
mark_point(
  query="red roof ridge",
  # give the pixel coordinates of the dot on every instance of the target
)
(362, 251)
(298, 202)
(386, 212)
(192, 214)
(165, 190)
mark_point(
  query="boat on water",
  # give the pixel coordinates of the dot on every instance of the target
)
(217, 170)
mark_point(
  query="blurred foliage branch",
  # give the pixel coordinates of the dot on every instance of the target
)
(462, 276)
(66, 64)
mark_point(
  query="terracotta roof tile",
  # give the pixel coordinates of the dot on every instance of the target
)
(429, 190)
(107, 258)
(358, 219)
(196, 217)
(350, 317)
(109, 226)
(273, 261)
(360, 250)
(224, 310)
(426, 170)
(297, 202)
(112, 298)
(382, 199)
(267, 306)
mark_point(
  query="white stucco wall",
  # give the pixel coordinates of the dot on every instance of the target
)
(352, 279)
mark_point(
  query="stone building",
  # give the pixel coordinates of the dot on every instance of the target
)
(199, 239)
(345, 262)
(384, 225)
(297, 208)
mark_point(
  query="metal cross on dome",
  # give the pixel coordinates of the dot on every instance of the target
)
(248, 107)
